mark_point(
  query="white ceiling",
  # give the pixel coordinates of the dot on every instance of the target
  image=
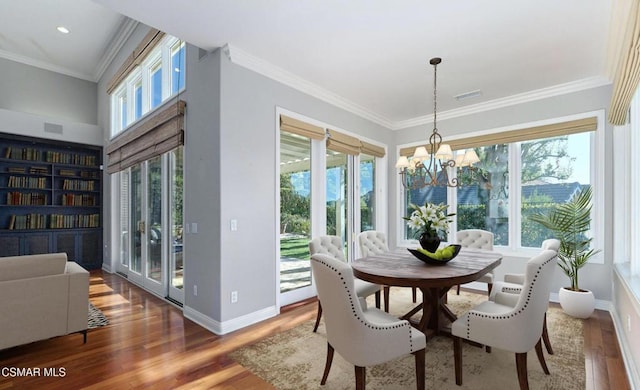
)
(371, 56)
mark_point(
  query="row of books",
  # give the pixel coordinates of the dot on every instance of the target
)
(32, 154)
(71, 158)
(78, 185)
(84, 174)
(56, 221)
(27, 182)
(79, 200)
(27, 198)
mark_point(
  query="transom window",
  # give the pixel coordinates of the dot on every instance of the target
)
(160, 76)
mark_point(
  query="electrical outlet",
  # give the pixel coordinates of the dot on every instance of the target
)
(234, 297)
(628, 323)
(195, 290)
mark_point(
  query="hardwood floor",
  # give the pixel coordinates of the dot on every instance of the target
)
(149, 344)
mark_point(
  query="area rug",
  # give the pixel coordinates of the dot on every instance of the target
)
(96, 317)
(294, 359)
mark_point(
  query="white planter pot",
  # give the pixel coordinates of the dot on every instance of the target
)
(579, 304)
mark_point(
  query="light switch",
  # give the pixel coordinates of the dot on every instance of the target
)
(194, 228)
(234, 225)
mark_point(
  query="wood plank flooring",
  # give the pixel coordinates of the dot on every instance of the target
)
(149, 344)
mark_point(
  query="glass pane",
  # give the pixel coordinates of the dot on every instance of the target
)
(367, 192)
(177, 69)
(483, 200)
(156, 87)
(137, 96)
(419, 197)
(553, 169)
(123, 112)
(136, 219)
(337, 206)
(176, 217)
(124, 218)
(154, 243)
(295, 211)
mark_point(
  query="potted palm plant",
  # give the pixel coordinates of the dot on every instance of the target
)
(569, 223)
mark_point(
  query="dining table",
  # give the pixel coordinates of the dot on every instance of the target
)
(402, 269)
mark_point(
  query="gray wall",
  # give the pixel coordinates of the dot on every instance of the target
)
(596, 277)
(37, 91)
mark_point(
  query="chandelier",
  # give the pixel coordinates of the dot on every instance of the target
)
(432, 167)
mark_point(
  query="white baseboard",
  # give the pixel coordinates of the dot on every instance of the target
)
(629, 363)
(225, 327)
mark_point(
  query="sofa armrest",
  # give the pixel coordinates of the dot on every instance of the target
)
(78, 309)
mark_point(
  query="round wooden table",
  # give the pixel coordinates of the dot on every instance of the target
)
(402, 269)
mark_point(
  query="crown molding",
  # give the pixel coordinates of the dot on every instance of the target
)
(244, 59)
(117, 42)
(267, 69)
(530, 96)
(44, 65)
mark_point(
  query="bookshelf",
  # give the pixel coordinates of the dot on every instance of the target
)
(50, 198)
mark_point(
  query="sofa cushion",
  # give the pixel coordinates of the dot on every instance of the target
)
(32, 266)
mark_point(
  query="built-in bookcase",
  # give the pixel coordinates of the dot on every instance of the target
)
(50, 198)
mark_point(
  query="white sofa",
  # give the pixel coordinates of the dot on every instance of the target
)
(41, 296)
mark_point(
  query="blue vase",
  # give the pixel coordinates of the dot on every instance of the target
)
(429, 242)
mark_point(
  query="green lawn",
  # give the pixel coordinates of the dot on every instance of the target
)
(297, 248)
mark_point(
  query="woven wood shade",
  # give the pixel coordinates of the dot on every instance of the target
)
(528, 134)
(141, 52)
(343, 143)
(299, 127)
(627, 75)
(152, 136)
(371, 150)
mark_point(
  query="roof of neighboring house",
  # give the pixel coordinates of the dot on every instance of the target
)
(557, 192)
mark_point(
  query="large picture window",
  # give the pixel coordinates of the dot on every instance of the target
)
(516, 179)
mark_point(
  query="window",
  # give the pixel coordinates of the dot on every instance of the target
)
(159, 76)
(517, 179)
(367, 192)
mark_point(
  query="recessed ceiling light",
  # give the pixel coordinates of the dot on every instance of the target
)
(63, 29)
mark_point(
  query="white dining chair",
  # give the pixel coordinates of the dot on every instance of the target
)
(372, 242)
(515, 328)
(332, 246)
(513, 285)
(477, 239)
(362, 336)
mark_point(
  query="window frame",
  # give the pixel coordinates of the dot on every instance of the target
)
(514, 248)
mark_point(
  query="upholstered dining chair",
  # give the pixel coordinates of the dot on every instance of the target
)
(516, 328)
(372, 242)
(477, 239)
(513, 285)
(332, 246)
(362, 336)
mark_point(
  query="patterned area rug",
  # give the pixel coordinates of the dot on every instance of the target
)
(294, 359)
(96, 317)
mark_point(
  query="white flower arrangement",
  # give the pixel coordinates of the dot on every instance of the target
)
(430, 219)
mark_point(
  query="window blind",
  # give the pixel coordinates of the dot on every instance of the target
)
(371, 150)
(152, 136)
(299, 127)
(141, 52)
(627, 75)
(343, 143)
(520, 135)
